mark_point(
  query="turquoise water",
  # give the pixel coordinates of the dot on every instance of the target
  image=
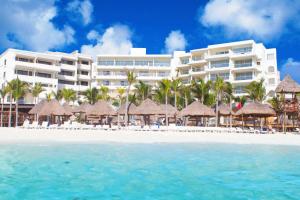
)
(153, 171)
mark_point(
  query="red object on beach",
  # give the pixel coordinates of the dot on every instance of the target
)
(239, 106)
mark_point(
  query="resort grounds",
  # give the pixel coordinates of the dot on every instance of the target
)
(147, 136)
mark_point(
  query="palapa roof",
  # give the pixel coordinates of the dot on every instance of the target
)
(288, 85)
(224, 110)
(37, 107)
(131, 109)
(101, 108)
(256, 109)
(82, 108)
(197, 109)
(53, 108)
(171, 110)
(68, 108)
(148, 107)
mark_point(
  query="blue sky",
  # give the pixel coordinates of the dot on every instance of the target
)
(114, 26)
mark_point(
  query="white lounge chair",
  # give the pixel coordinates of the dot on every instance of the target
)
(26, 124)
(45, 125)
(35, 125)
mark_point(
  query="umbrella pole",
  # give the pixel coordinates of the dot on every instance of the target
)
(243, 121)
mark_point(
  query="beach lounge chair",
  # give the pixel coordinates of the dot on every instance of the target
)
(45, 125)
(35, 125)
(26, 124)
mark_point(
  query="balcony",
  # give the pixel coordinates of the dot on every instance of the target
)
(38, 66)
(68, 67)
(84, 67)
(84, 77)
(65, 77)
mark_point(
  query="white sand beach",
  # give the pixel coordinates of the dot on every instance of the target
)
(19, 135)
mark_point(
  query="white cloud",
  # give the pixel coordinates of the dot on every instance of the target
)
(291, 67)
(115, 40)
(82, 9)
(264, 19)
(28, 24)
(175, 41)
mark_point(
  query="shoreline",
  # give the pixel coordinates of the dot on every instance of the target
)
(41, 136)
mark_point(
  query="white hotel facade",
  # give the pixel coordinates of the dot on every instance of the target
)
(236, 62)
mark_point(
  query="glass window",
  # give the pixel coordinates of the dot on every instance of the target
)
(23, 72)
(123, 83)
(67, 62)
(66, 82)
(243, 76)
(143, 73)
(44, 75)
(270, 56)
(243, 63)
(106, 62)
(184, 61)
(84, 73)
(85, 62)
(106, 82)
(124, 63)
(65, 73)
(84, 83)
(272, 81)
(222, 52)
(239, 89)
(143, 63)
(224, 76)
(24, 59)
(242, 50)
(271, 69)
(160, 63)
(44, 62)
(219, 63)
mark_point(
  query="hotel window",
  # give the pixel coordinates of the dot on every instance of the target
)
(44, 62)
(86, 73)
(222, 52)
(44, 75)
(24, 59)
(196, 58)
(23, 72)
(84, 83)
(124, 63)
(271, 81)
(85, 62)
(271, 69)
(163, 74)
(243, 63)
(183, 72)
(65, 73)
(239, 89)
(244, 76)
(219, 63)
(123, 83)
(224, 76)
(106, 82)
(159, 63)
(106, 73)
(66, 82)
(198, 69)
(67, 62)
(184, 61)
(270, 56)
(106, 62)
(5, 62)
(143, 73)
(143, 63)
(242, 50)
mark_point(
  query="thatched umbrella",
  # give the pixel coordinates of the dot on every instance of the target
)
(53, 108)
(101, 108)
(256, 109)
(197, 109)
(37, 107)
(82, 108)
(147, 108)
(171, 110)
(288, 85)
(68, 108)
(225, 110)
(131, 109)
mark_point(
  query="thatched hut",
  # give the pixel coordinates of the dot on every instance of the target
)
(82, 108)
(131, 109)
(148, 108)
(255, 110)
(99, 110)
(37, 108)
(288, 85)
(53, 108)
(197, 110)
(68, 108)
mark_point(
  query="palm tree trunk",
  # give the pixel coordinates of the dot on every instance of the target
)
(10, 108)
(217, 110)
(126, 106)
(185, 100)
(2, 108)
(166, 101)
(175, 99)
(230, 113)
(17, 113)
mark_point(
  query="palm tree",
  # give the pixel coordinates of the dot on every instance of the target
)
(277, 104)
(165, 86)
(219, 88)
(200, 89)
(256, 90)
(58, 95)
(91, 95)
(10, 88)
(36, 91)
(19, 90)
(121, 91)
(104, 93)
(131, 78)
(49, 96)
(143, 90)
(3, 93)
(68, 94)
(185, 92)
(175, 86)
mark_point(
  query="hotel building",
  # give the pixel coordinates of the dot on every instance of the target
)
(236, 62)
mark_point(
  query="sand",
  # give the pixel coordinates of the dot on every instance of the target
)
(19, 135)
